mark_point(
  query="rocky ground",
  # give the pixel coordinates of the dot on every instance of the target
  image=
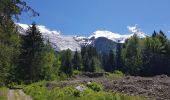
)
(157, 87)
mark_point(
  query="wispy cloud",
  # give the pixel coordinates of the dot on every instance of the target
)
(133, 29)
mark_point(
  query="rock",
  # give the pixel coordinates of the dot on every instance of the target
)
(81, 88)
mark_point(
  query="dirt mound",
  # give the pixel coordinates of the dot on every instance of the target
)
(157, 87)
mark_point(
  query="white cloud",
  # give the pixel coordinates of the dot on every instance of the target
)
(133, 29)
(43, 29)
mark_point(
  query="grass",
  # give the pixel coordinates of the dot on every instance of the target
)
(38, 91)
(115, 75)
(3, 93)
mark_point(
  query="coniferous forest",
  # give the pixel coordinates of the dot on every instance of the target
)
(29, 58)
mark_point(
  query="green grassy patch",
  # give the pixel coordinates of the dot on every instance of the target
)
(115, 75)
(38, 91)
(3, 93)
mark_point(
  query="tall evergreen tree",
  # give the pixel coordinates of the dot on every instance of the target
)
(9, 38)
(66, 62)
(111, 66)
(118, 57)
(152, 56)
(154, 34)
(77, 65)
(9, 51)
(93, 65)
(86, 62)
(48, 62)
(132, 56)
(32, 46)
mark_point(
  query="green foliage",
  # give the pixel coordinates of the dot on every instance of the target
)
(132, 56)
(39, 92)
(115, 75)
(49, 63)
(66, 62)
(154, 55)
(90, 59)
(37, 60)
(9, 51)
(77, 62)
(13, 8)
(118, 57)
(10, 41)
(94, 86)
(111, 62)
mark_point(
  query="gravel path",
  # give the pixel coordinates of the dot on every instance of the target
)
(17, 94)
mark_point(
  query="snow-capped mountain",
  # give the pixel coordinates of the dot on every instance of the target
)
(58, 41)
(111, 36)
(102, 40)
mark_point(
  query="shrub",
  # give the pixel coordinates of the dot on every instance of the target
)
(94, 86)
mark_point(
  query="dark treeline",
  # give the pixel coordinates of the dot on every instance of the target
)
(29, 58)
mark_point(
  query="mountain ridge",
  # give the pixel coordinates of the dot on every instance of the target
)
(62, 42)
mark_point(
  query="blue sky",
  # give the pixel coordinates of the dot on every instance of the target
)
(82, 17)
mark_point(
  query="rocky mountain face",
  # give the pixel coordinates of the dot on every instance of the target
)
(103, 41)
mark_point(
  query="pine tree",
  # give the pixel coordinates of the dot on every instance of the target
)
(12, 9)
(118, 57)
(93, 65)
(9, 38)
(48, 62)
(132, 56)
(77, 65)
(111, 62)
(154, 34)
(86, 62)
(83, 51)
(9, 51)
(66, 62)
(32, 47)
(152, 57)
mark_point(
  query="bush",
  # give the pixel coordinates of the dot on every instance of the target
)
(94, 86)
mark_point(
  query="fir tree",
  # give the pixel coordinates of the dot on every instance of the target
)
(111, 62)
(118, 57)
(66, 62)
(132, 56)
(32, 47)
(77, 61)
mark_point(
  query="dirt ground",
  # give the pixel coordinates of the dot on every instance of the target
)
(17, 94)
(157, 87)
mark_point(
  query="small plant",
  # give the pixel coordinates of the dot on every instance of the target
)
(94, 86)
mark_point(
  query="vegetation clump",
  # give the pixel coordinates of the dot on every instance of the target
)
(39, 92)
